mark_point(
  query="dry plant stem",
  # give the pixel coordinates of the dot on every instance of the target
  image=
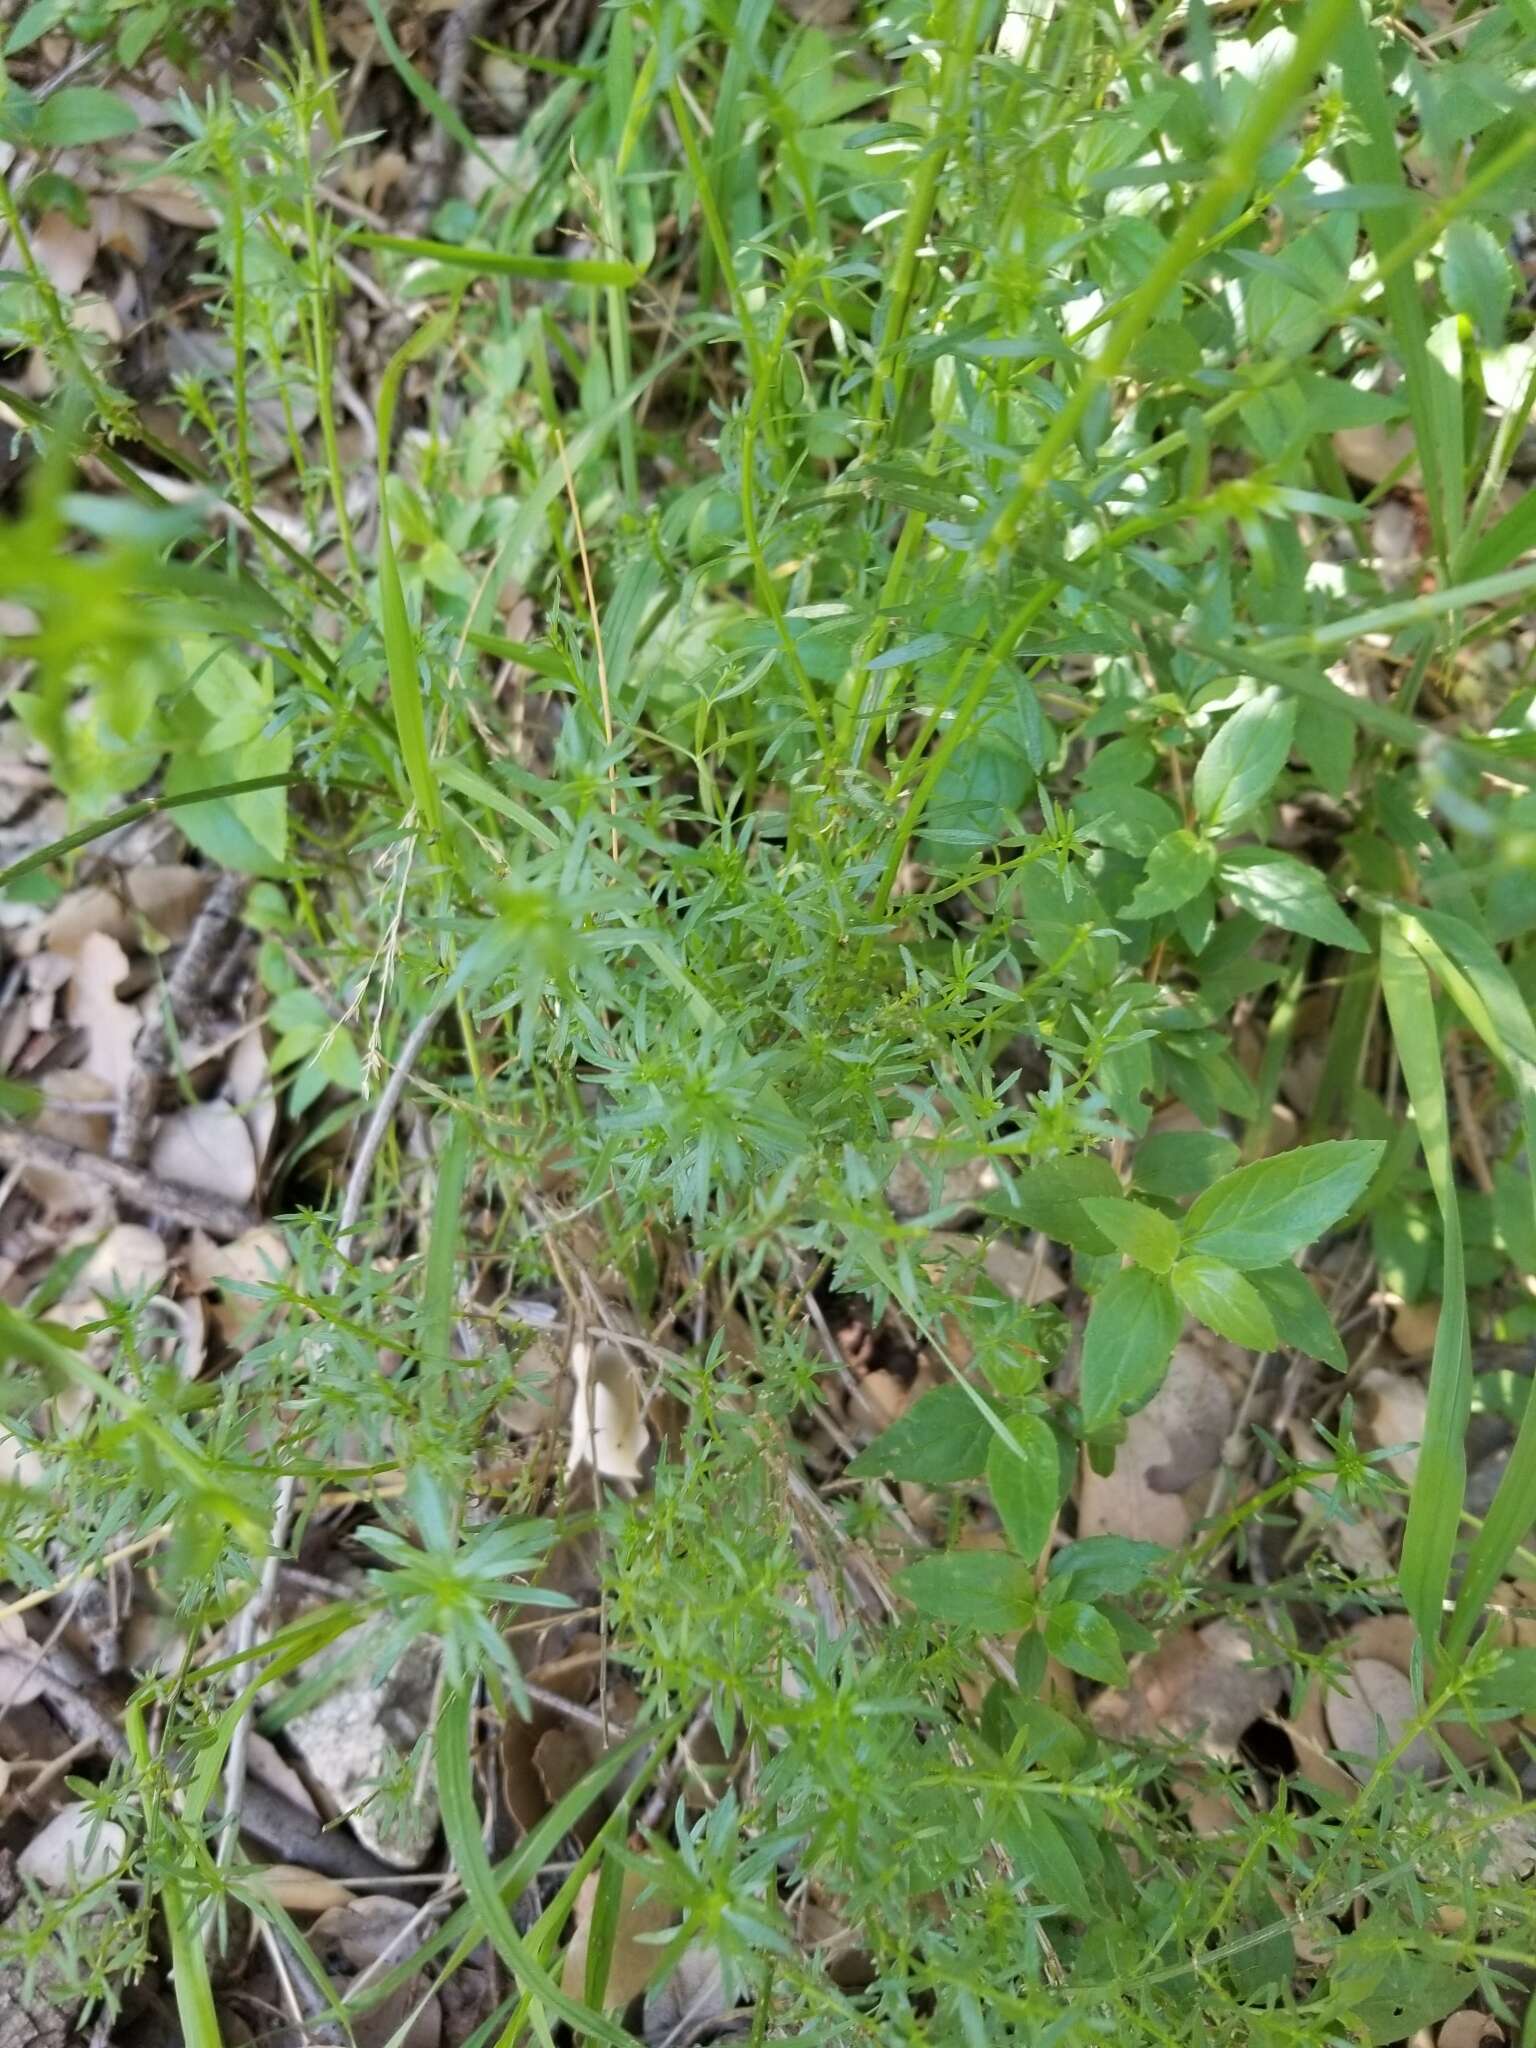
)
(1468, 1129)
(597, 639)
(142, 1190)
(248, 1626)
(204, 952)
(86, 1572)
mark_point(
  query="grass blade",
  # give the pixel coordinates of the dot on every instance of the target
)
(440, 1302)
(130, 814)
(1486, 994)
(1434, 1509)
(504, 262)
(405, 693)
(1376, 161)
(461, 1822)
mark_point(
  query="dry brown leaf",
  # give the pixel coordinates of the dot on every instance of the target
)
(207, 1146)
(65, 253)
(77, 915)
(1380, 1640)
(562, 1756)
(268, 1763)
(1393, 1411)
(93, 314)
(1172, 1444)
(635, 1962)
(1201, 1684)
(20, 1680)
(1414, 1326)
(1374, 452)
(1469, 2029)
(121, 226)
(543, 1394)
(92, 1006)
(169, 896)
(248, 1083)
(690, 2004)
(1372, 1692)
(130, 1260)
(77, 1111)
(878, 1399)
(1027, 1277)
(175, 201)
(608, 1427)
(19, 1465)
(1357, 1543)
(962, 1183)
(258, 1259)
(354, 1937)
(572, 1676)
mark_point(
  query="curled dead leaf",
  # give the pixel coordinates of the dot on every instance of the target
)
(1414, 1325)
(248, 1084)
(120, 226)
(608, 1428)
(1373, 452)
(1356, 1542)
(1027, 1277)
(1368, 1713)
(298, 1890)
(259, 1259)
(76, 1111)
(543, 1392)
(691, 2002)
(1378, 1655)
(21, 1680)
(1469, 2029)
(364, 1932)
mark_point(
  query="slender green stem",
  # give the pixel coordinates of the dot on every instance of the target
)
(325, 375)
(958, 731)
(761, 363)
(1230, 179)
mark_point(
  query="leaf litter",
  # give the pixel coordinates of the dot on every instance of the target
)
(91, 987)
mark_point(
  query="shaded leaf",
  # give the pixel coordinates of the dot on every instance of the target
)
(1132, 1329)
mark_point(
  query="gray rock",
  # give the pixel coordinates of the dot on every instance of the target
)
(356, 1735)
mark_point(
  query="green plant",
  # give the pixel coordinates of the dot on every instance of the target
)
(967, 736)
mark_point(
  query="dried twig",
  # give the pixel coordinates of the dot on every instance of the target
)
(186, 986)
(144, 1190)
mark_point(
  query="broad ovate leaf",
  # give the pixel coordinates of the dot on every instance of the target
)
(1132, 1329)
(1239, 768)
(943, 1436)
(1218, 1296)
(1281, 890)
(1026, 1483)
(1264, 1212)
